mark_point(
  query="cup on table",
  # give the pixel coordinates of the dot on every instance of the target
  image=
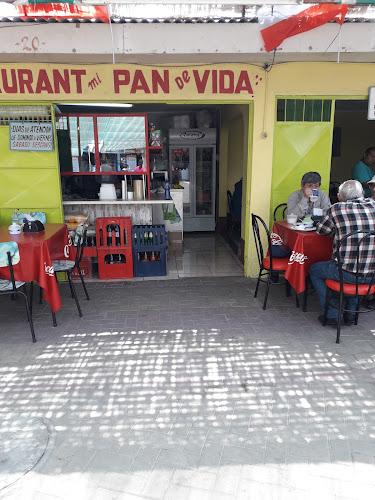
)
(291, 219)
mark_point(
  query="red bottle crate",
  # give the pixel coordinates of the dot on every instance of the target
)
(115, 262)
(86, 269)
(113, 233)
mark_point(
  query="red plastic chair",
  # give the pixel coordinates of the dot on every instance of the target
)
(356, 289)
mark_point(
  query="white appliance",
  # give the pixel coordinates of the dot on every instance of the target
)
(192, 160)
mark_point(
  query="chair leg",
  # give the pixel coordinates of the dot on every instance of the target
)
(74, 294)
(54, 322)
(29, 317)
(288, 289)
(83, 283)
(267, 291)
(31, 297)
(256, 288)
(341, 303)
(71, 287)
(297, 300)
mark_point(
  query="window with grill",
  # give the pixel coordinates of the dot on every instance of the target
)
(304, 110)
(24, 114)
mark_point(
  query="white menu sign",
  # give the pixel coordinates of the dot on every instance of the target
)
(30, 136)
(371, 104)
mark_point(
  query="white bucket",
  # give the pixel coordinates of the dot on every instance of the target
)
(107, 192)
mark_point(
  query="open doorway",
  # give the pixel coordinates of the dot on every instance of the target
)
(353, 133)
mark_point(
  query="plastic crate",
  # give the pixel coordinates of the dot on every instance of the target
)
(149, 267)
(112, 232)
(86, 269)
(149, 250)
(149, 238)
(115, 263)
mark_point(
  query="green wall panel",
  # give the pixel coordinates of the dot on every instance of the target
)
(37, 187)
(299, 147)
(22, 159)
(29, 181)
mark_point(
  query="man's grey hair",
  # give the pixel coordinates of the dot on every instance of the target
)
(311, 177)
(350, 190)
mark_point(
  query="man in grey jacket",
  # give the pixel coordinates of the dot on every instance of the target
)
(301, 203)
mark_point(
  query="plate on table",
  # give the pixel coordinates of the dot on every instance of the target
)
(303, 228)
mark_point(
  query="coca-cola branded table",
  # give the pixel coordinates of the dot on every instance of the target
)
(37, 250)
(307, 247)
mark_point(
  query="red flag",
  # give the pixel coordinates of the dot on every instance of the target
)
(284, 21)
(63, 10)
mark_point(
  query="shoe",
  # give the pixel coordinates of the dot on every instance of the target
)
(274, 277)
(349, 319)
(329, 321)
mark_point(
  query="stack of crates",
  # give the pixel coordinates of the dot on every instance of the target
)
(113, 243)
(149, 250)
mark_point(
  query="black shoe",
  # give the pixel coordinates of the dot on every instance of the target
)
(349, 319)
(329, 321)
(274, 278)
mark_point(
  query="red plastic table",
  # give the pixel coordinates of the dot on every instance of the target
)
(307, 247)
(37, 250)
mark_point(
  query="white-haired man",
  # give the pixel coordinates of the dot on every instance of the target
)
(351, 213)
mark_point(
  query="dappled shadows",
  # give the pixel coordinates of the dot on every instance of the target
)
(193, 391)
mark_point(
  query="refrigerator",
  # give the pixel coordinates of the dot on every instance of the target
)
(192, 162)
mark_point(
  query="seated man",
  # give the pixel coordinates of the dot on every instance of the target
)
(351, 213)
(299, 202)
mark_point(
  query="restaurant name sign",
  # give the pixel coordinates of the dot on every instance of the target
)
(128, 82)
(30, 136)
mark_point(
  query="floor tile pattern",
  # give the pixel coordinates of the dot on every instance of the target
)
(185, 389)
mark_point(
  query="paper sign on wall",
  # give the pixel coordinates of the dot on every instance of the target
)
(30, 136)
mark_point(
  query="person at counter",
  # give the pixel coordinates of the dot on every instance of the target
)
(351, 213)
(300, 202)
(363, 172)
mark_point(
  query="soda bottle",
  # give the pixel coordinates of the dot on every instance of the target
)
(117, 235)
(109, 237)
(167, 188)
(16, 219)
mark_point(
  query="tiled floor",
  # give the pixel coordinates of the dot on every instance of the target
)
(204, 254)
(185, 390)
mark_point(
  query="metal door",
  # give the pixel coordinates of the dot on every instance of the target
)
(181, 173)
(204, 182)
(302, 143)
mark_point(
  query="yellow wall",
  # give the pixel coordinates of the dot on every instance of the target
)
(357, 134)
(29, 181)
(293, 79)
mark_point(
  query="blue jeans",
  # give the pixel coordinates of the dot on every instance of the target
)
(319, 273)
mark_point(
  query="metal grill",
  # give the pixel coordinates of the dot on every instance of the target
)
(24, 114)
(304, 110)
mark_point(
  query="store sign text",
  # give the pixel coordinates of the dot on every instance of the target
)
(30, 136)
(136, 82)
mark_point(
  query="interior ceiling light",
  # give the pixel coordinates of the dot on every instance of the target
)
(104, 104)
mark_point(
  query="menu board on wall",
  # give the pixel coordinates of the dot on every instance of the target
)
(30, 136)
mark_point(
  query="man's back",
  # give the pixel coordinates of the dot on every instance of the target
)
(345, 217)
